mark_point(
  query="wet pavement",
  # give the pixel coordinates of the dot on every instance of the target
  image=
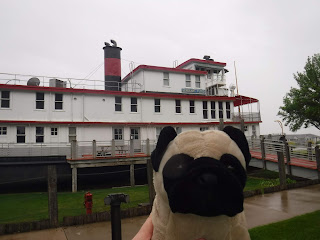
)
(259, 210)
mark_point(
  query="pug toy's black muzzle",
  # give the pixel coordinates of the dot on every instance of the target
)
(204, 186)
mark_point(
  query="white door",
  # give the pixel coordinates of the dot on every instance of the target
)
(135, 136)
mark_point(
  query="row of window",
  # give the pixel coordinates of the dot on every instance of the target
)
(39, 134)
(213, 110)
(166, 80)
(5, 103)
(192, 108)
(58, 101)
(117, 133)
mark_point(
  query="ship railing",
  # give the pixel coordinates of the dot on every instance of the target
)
(35, 149)
(80, 149)
(214, 80)
(63, 82)
(246, 116)
(270, 148)
(113, 148)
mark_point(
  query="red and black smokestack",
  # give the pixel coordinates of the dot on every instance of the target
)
(112, 66)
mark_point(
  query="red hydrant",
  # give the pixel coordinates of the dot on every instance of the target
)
(88, 202)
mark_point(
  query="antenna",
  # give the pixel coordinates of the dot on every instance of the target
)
(235, 72)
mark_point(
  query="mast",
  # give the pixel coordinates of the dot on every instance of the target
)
(235, 72)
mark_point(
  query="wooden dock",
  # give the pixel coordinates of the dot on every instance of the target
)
(106, 162)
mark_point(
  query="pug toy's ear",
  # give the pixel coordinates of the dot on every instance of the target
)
(167, 134)
(240, 139)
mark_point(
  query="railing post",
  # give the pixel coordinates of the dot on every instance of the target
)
(52, 196)
(152, 192)
(242, 125)
(113, 148)
(148, 147)
(317, 151)
(282, 170)
(252, 143)
(288, 157)
(131, 147)
(132, 182)
(74, 149)
(94, 149)
(74, 179)
(263, 153)
(221, 124)
(309, 149)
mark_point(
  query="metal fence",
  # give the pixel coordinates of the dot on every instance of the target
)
(84, 83)
(246, 116)
(79, 149)
(271, 147)
(34, 149)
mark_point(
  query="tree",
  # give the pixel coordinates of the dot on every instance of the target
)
(302, 105)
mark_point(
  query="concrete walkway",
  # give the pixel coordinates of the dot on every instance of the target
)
(259, 210)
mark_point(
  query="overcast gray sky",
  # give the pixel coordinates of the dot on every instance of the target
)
(268, 40)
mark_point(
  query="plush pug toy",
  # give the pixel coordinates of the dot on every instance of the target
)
(199, 179)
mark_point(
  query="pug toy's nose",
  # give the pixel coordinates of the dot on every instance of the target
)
(207, 179)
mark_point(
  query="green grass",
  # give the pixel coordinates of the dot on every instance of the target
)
(306, 227)
(262, 179)
(22, 207)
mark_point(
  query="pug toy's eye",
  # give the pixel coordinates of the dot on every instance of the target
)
(230, 162)
(176, 166)
(230, 167)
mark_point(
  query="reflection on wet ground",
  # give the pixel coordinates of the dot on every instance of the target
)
(278, 206)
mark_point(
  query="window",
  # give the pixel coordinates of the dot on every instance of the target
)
(197, 81)
(205, 109)
(58, 103)
(134, 133)
(39, 134)
(188, 80)
(209, 74)
(157, 105)
(178, 106)
(118, 133)
(166, 79)
(178, 130)
(245, 128)
(72, 134)
(213, 109)
(158, 130)
(134, 105)
(54, 131)
(228, 110)
(21, 134)
(5, 99)
(220, 109)
(254, 132)
(3, 130)
(202, 129)
(192, 108)
(118, 104)
(40, 100)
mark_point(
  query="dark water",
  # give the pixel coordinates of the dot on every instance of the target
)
(34, 179)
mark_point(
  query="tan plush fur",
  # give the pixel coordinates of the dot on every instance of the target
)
(176, 226)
